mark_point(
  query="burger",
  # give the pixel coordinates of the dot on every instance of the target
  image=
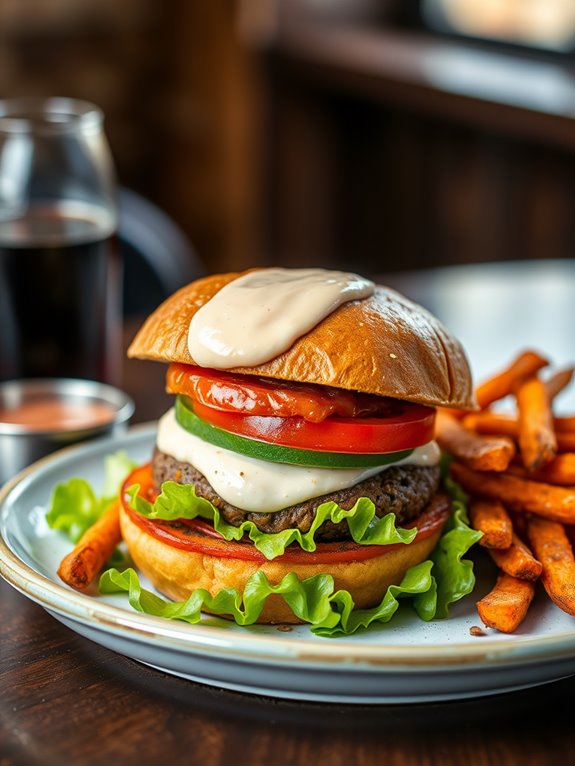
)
(299, 449)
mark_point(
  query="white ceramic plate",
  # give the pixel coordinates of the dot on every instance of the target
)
(405, 661)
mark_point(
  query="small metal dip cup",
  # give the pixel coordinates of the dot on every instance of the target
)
(22, 444)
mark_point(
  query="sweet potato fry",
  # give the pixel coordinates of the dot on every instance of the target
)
(79, 568)
(564, 425)
(561, 470)
(555, 503)
(502, 384)
(499, 423)
(491, 518)
(504, 608)
(483, 453)
(565, 441)
(457, 414)
(537, 441)
(558, 381)
(517, 561)
(492, 423)
(553, 549)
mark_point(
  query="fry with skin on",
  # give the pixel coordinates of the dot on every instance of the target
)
(483, 453)
(503, 384)
(537, 441)
(80, 567)
(517, 561)
(552, 548)
(558, 381)
(504, 608)
(491, 518)
(555, 503)
(561, 470)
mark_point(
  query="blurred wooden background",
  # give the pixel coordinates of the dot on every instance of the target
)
(327, 133)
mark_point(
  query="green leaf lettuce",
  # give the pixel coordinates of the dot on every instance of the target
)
(433, 585)
(313, 600)
(74, 505)
(179, 501)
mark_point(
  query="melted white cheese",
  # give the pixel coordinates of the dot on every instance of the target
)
(259, 316)
(260, 486)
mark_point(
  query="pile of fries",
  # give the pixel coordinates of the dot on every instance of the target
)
(519, 470)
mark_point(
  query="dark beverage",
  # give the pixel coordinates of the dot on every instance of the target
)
(59, 294)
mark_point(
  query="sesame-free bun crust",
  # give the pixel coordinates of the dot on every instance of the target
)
(383, 345)
(176, 573)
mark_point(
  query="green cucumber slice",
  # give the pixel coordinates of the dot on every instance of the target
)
(276, 453)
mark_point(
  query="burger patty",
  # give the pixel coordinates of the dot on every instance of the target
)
(402, 490)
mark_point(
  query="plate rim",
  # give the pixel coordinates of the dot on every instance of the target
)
(201, 638)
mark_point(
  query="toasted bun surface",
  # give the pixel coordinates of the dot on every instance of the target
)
(176, 573)
(383, 345)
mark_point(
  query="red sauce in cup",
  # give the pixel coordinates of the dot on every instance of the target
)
(53, 414)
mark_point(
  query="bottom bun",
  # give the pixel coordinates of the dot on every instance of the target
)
(176, 573)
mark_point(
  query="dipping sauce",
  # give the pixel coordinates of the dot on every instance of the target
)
(257, 317)
(54, 414)
(39, 416)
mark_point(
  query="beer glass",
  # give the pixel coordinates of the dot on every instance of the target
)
(60, 281)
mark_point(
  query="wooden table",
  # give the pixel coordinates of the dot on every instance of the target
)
(65, 700)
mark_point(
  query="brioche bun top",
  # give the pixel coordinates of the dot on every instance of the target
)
(383, 345)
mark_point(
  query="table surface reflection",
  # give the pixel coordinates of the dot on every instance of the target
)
(64, 700)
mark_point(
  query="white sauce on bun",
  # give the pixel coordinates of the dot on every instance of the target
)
(260, 315)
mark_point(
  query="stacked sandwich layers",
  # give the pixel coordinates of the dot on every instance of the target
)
(319, 460)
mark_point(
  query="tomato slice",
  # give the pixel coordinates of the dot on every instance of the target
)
(277, 453)
(249, 395)
(411, 428)
(199, 536)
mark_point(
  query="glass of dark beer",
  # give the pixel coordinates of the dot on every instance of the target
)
(60, 281)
